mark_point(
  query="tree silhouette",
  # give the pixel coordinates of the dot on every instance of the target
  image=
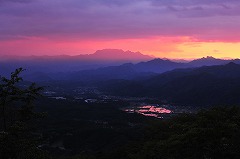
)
(16, 104)
(16, 98)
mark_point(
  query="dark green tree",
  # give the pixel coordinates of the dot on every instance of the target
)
(17, 112)
(213, 133)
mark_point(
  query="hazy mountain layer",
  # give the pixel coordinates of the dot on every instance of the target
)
(206, 86)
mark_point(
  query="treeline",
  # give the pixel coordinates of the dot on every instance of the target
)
(211, 134)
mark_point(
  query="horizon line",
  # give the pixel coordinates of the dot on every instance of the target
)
(87, 54)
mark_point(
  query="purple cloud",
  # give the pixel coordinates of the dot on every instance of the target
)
(109, 19)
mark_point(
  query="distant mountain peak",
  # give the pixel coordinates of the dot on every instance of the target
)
(116, 51)
(232, 64)
(208, 61)
(160, 59)
(210, 57)
(106, 51)
(157, 60)
(118, 54)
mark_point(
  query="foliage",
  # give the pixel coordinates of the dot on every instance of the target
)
(213, 133)
(209, 134)
(16, 103)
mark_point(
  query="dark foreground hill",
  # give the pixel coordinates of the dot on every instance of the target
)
(208, 85)
(208, 134)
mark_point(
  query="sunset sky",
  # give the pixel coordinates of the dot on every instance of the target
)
(163, 28)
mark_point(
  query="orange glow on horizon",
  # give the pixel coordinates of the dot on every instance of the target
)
(168, 47)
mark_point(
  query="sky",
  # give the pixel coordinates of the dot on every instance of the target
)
(179, 29)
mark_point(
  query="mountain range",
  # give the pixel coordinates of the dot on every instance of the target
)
(65, 63)
(204, 86)
(210, 61)
(103, 65)
(137, 71)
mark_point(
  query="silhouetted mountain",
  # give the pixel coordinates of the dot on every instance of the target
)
(105, 54)
(205, 86)
(158, 66)
(117, 55)
(127, 71)
(102, 65)
(65, 63)
(210, 61)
